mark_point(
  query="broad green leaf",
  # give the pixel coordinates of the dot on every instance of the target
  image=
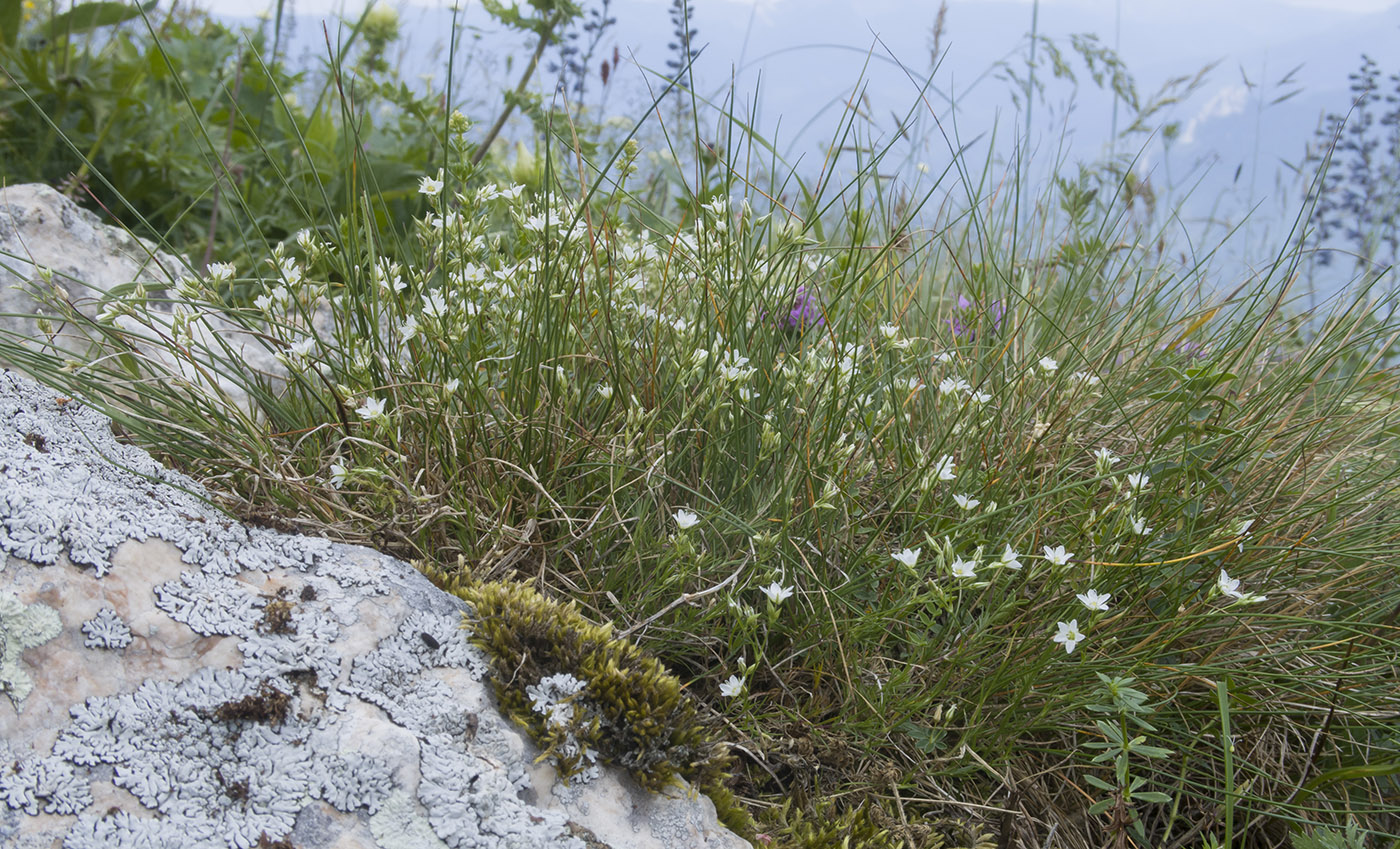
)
(11, 15)
(86, 17)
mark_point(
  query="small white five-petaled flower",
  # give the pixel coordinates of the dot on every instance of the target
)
(1136, 481)
(1231, 587)
(944, 469)
(1010, 558)
(777, 593)
(372, 408)
(967, 502)
(1068, 635)
(1093, 600)
(964, 568)
(429, 186)
(1049, 364)
(1140, 526)
(909, 556)
(686, 519)
(734, 686)
(1057, 555)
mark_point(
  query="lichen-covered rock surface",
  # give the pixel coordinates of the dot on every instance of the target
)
(172, 678)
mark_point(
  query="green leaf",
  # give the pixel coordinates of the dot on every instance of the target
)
(1095, 781)
(11, 16)
(1100, 807)
(86, 17)
(1153, 796)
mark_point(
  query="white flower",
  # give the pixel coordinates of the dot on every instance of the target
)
(966, 502)
(944, 469)
(1140, 526)
(605, 391)
(1242, 531)
(686, 519)
(220, 271)
(409, 328)
(1231, 587)
(980, 397)
(777, 593)
(1137, 481)
(429, 186)
(1104, 461)
(732, 687)
(1068, 634)
(434, 304)
(908, 556)
(964, 568)
(1010, 558)
(1093, 600)
(303, 347)
(338, 475)
(372, 408)
(1048, 364)
(1057, 555)
(890, 331)
(1085, 377)
(451, 386)
(950, 385)
(944, 356)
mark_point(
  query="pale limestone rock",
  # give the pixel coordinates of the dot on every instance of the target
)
(204, 720)
(43, 233)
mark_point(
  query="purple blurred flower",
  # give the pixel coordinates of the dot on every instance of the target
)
(804, 312)
(964, 321)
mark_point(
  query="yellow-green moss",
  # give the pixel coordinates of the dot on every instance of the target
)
(639, 716)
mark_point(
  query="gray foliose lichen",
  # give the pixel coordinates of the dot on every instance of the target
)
(230, 757)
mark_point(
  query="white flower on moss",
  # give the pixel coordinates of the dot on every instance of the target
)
(964, 568)
(1093, 600)
(429, 186)
(372, 408)
(1068, 635)
(967, 502)
(1048, 364)
(777, 593)
(1057, 555)
(686, 519)
(733, 687)
(909, 556)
